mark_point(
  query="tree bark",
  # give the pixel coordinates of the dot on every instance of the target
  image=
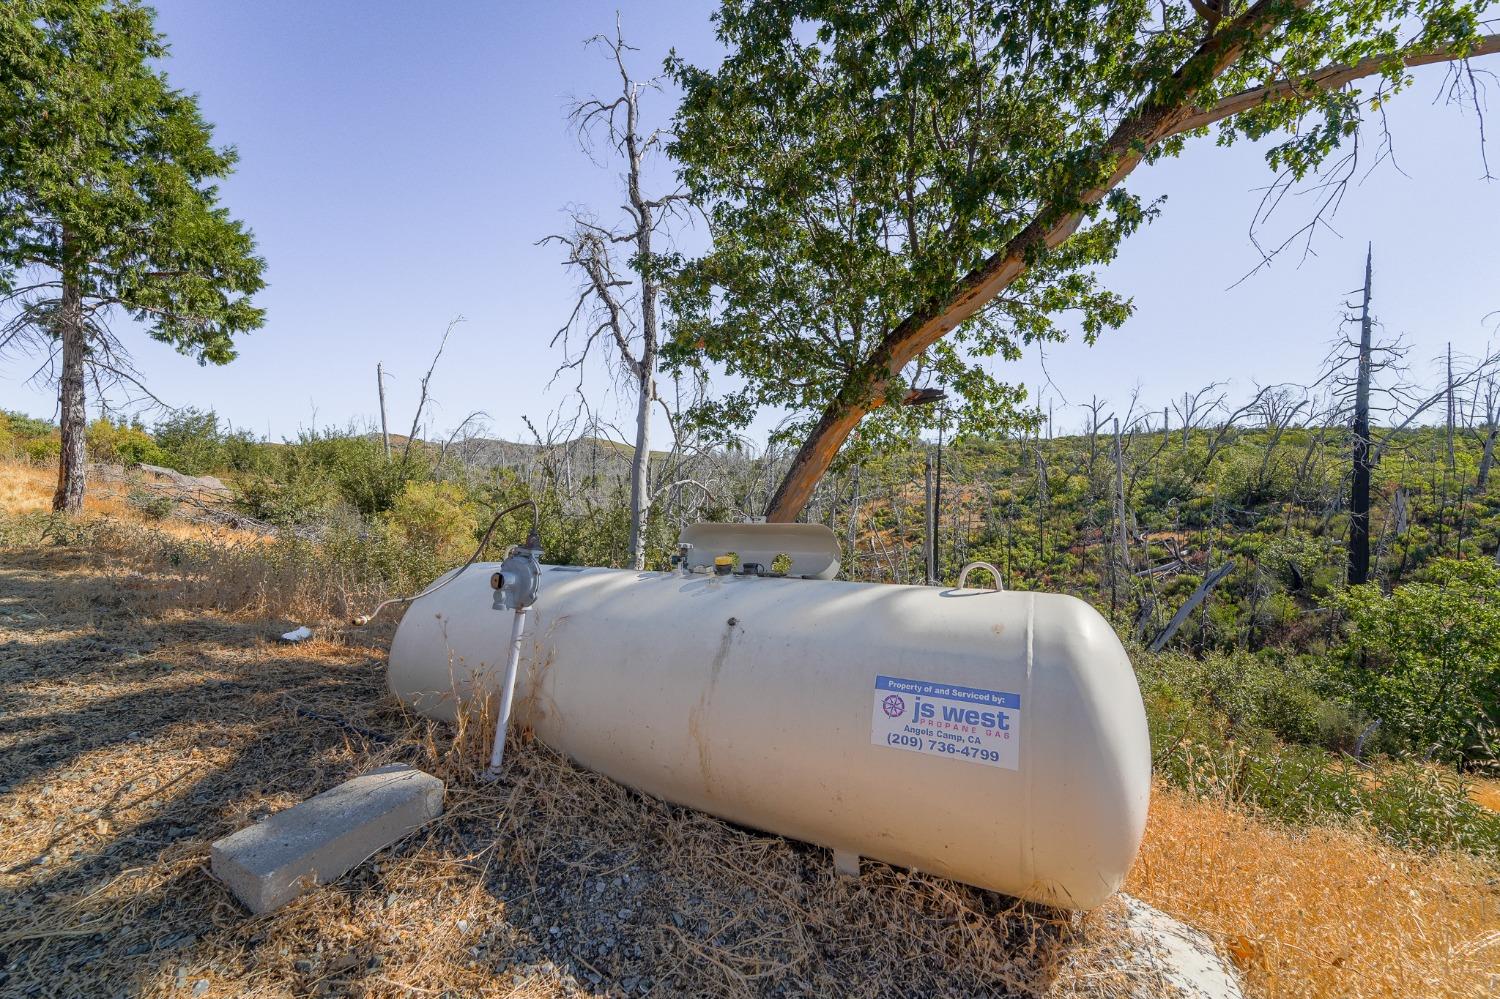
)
(72, 465)
(640, 471)
(1359, 496)
(929, 526)
(645, 369)
(385, 434)
(1209, 582)
(1122, 561)
(1169, 111)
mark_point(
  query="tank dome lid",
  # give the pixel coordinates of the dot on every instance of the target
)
(809, 550)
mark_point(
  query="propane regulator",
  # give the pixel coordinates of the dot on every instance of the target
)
(515, 586)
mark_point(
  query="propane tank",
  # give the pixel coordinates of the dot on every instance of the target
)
(996, 738)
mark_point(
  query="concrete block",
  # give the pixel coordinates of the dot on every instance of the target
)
(272, 862)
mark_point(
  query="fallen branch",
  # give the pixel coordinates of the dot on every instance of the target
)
(1209, 582)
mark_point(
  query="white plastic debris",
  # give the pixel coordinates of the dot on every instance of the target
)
(301, 634)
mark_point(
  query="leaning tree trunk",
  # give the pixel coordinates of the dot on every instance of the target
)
(72, 465)
(1359, 498)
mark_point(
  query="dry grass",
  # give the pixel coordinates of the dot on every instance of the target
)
(145, 711)
(26, 488)
(135, 731)
(1322, 912)
(1486, 792)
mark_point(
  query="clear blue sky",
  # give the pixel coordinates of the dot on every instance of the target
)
(399, 162)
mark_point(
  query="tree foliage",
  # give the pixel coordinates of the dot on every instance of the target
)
(96, 144)
(900, 191)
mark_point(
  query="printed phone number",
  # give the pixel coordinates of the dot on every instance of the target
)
(939, 746)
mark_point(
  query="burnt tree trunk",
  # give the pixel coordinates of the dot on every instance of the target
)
(1359, 494)
(385, 433)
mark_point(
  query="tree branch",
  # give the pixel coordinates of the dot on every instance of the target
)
(1327, 78)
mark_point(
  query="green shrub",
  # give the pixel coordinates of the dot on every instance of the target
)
(303, 500)
(23, 426)
(1240, 694)
(190, 441)
(30, 438)
(1425, 658)
(121, 443)
(1409, 804)
(435, 517)
(151, 505)
(43, 449)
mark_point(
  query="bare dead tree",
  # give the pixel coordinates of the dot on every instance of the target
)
(1277, 411)
(1452, 411)
(1196, 407)
(1122, 558)
(1375, 390)
(1359, 495)
(1410, 405)
(385, 434)
(621, 311)
(424, 396)
(1228, 425)
(1488, 432)
(1095, 406)
(467, 428)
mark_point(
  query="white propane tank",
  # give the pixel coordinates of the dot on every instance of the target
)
(996, 738)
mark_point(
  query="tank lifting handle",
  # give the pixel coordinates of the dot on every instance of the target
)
(963, 576)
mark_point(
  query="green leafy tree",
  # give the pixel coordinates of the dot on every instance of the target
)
(1425, 659)
(900, 190)
(108, 209)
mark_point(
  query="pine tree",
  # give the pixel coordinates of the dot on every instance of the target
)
(108, 210)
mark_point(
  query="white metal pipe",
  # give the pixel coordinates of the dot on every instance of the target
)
(507, 694)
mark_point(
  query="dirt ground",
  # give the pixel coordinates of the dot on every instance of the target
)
(141, 718)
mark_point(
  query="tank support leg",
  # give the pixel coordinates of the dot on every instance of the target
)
(846, 864)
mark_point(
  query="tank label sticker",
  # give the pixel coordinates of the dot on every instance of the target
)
(945, 719)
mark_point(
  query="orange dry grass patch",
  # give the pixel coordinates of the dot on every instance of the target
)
(1322, 912)
(27, 489)
(1485, 792)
